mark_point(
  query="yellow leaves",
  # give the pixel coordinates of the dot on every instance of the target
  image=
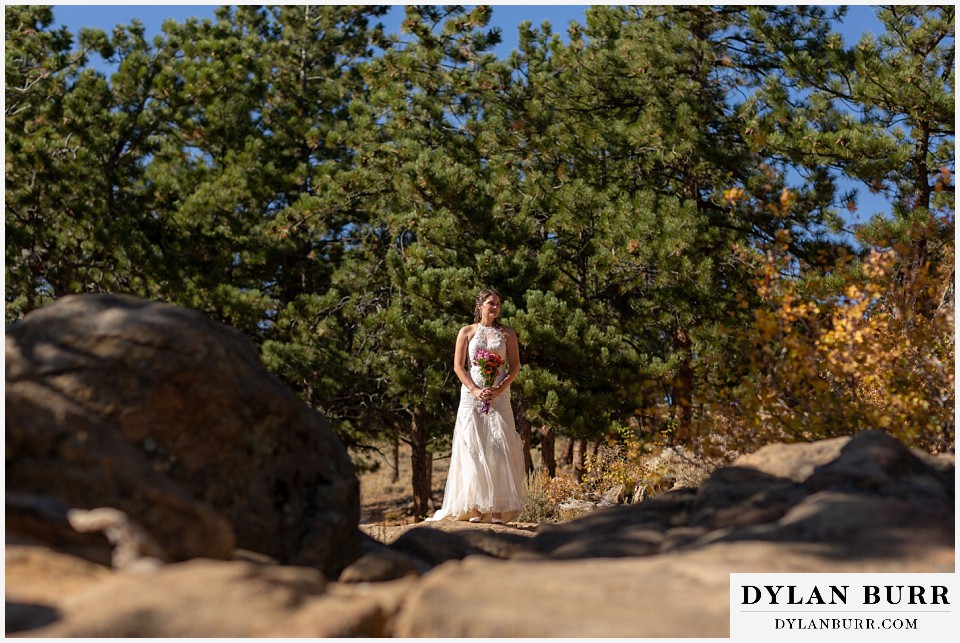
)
(943, 179)
(785, 203)
(767, 324)
(831, 359)
(733, 195)
(783, 236)
(783, 239)
(787, 199)
(561, 488)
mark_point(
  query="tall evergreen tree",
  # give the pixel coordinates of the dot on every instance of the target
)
(554, 201)
(431, 194)
(257, 186)
(77, 145)
(881, 112)
(623, 143)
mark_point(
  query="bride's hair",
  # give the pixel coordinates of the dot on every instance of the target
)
(482, 297)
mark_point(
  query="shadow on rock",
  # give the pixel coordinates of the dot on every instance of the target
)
(20, 617)
(862, 497)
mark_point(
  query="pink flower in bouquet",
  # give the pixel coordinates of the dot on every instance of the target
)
(489, 363)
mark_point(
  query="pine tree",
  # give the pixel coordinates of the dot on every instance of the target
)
(256, 187)
(882, 113)
(624, 141)
(77, 201)
(553, 204)
(430, 201)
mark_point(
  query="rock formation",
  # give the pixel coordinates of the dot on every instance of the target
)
(854, 504)
(157, 411)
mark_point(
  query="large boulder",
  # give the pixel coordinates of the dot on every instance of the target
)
(680, 594)
(218, 599)
(864, 491)
(161, 413)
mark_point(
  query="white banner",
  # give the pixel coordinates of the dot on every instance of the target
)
(843, 607)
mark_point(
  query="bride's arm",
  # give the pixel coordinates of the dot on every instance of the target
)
(460, 360)
(513, 355)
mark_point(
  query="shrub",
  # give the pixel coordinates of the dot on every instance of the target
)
(867, 344)
(546, 494)
(624, 463)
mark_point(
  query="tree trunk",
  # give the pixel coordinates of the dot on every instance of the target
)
(548, 458)
(396, 459)
(523, 427)
(683, 387)
(579, 457)
(566, 456)
(421, 464)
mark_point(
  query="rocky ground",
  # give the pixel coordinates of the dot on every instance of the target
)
(849, 505)
(148, 495)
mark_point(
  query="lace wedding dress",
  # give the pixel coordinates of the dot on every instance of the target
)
(486, 463)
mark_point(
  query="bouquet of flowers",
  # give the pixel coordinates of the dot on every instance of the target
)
(489, 363)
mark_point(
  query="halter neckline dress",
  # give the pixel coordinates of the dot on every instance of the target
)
(486, 461)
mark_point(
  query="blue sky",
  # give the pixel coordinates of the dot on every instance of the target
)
(505, 16)
(860, 19)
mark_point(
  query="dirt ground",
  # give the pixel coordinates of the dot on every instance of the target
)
(386, 497)
(386, 494)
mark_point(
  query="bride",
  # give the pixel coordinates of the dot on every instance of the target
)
(486, 464)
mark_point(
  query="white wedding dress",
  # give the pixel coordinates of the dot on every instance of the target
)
(486, 462)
